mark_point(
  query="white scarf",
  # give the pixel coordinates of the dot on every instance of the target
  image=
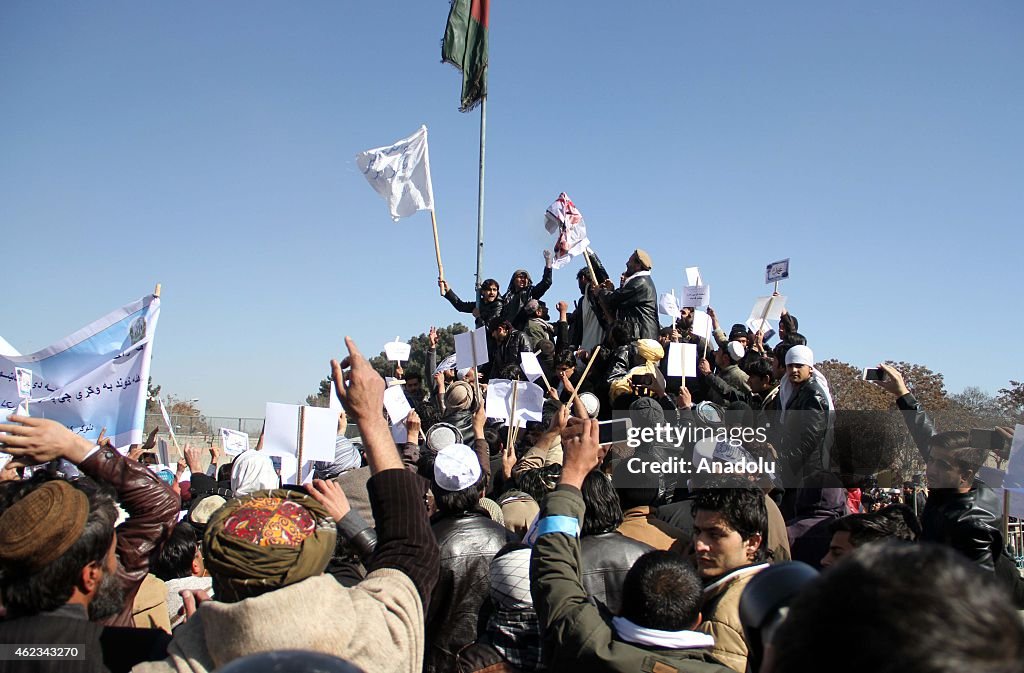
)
(676, 640)
(253, 471)
(787, 390)
(735, 573)
(638, 274)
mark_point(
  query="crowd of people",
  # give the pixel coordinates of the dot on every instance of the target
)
(472, 547)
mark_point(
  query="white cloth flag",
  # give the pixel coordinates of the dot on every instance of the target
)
(562, 217)
(96, 378)
(400, 173)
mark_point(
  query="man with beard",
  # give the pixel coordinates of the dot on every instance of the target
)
(636, 301)
(63, 567)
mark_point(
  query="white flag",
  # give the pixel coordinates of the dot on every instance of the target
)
(562, 217)
(401, 174)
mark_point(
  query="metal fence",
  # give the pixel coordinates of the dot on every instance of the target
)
(205, 426)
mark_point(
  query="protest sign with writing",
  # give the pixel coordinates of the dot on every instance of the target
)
(396, 403)
(396, 351)
(776, 271)
(695, 296)
(233, 441)
(93, 379)
(446, 364)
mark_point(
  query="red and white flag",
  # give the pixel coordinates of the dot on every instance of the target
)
(562, 217)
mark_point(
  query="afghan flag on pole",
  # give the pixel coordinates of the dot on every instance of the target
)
(465, 47)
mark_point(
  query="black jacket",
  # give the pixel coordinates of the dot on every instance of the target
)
(607, 557)
(488, 310)
(514, 300)
(949, 517)
(507, 352)
(575, 318)
(468, 543)
(635, 303)
(805, 443)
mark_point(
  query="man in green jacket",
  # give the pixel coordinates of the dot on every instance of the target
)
(661, 604)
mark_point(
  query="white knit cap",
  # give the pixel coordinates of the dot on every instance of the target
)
(736, 350)
(800, 355)
(456, 467)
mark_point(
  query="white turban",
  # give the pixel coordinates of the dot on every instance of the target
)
(800, 355)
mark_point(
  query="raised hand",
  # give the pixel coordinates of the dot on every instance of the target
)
(432, 335)
(893, 381)
(581, 450)
(39, 440)
(330, 495)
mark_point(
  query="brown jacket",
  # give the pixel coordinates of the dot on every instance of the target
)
(641, 524)
(721, 613)
(152, 509)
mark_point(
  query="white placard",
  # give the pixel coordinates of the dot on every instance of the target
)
(702, 326)
(396, 404)
(397, 351)
(682, 359)
(464, 345)
(693, 276)
(318, 429)
(319, 432)
(400, 433)
(4, 459)
(333, 403)
(776, 271)
(765, 310)
(24, 378)
(529, 401)
(233, 441)
(531, 365)
(667, 305)
(696, 296)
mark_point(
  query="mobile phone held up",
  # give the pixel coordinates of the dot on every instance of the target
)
(990, 440)
(615, 430)
(874, 374)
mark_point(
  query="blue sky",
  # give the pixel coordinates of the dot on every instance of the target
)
(209, 147)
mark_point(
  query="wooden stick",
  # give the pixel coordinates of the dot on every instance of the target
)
(512, 416)
(476, 372)
(302, 419)
(1006, 514)
(156, 291)
(586, 370)
(593, 276)
(437, 248)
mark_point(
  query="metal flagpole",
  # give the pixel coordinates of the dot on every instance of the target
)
(480, 198)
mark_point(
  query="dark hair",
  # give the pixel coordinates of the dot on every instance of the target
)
(565, 358)
(603, 513)
(780, 351)
(414, 376)
(176, 555)
(796, 339)
(539, 481)
(27, 593)
(619, 334)
(224, 471)
(666, 331)
(457, 502)
(661, 591)
(497, 322)
(509, 371)
(495, 441)
(490, 281)
(789, 323)
(966, 459)
(921, 607)
(872, 526)
(760, 367)
(742, 508)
